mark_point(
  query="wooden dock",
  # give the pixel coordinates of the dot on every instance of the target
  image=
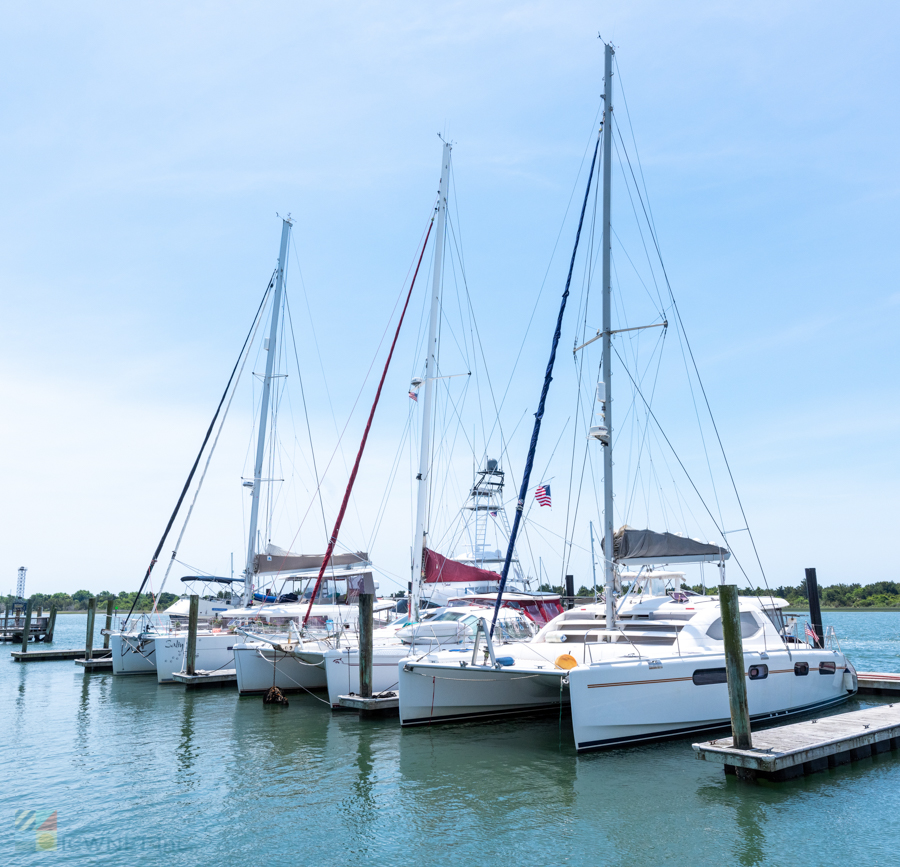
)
(100, 662)
(382, 704)
(220, 677)
(789, 751)
(878, 683)
(51, 655)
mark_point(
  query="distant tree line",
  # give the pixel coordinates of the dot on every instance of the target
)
(78, 601)
(880, 594)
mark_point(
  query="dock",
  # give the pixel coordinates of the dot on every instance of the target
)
(51, 655)
(878, 683)
(382, 704)
(790, 751)
(220, 677)
(101, 662)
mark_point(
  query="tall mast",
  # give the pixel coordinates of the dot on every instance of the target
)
(430, 373)
(264, 411)
(609, 568)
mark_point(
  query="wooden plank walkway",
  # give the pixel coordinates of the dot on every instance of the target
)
(50, 655)
(786, 752)
(219, 677)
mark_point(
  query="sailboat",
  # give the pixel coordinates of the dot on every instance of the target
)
(461, 584)
(651, 664)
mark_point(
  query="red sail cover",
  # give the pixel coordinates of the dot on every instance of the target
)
(440, 569)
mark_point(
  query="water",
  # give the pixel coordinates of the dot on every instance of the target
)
(154, 775)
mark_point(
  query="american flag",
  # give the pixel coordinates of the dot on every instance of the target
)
(811, 633)
(493, 514)
(414, 395)
(542, 495)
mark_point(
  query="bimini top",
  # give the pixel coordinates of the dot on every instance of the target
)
(212, 579)
(276, 560)
(648, 546)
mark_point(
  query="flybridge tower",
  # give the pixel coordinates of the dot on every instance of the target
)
(20, 584)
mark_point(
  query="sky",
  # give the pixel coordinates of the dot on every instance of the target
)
(148, 148)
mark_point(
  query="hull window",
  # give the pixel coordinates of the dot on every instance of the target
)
(801, 669)
(703, 676)
(758, 672)
(826, 668)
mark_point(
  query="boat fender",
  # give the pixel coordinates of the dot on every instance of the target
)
(505, 660)
(565, 661)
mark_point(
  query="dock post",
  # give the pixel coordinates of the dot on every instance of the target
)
(89, 637)
(26, 630)
(5, 619)
(109, 616)
(815, 609)
(193, 613)
(366, 627)
(570, 591)
(51, 625)
(734, 671)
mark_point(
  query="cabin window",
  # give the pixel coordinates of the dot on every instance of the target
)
(826, 668)
(703, 676)
(758, 672)
(801, 669)
(749, 627)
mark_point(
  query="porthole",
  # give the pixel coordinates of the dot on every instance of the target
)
(758, 672)
(801, 669)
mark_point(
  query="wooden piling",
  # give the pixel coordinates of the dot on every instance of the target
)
(26, 631)
(366, 627)
(6, 618)
(51, 625)
(734, 671)
(89, 637)
(109, 616)
(815, 609)
(193, 613)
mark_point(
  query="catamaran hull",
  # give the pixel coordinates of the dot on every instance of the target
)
(445, 693)
(342, 670)
(259, 668)
(132, 653)
(215, 652)
(616, 703)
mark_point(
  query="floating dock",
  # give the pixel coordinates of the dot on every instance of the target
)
(382, 704)
(102, 661)
(786, 752)
(50, 655)
(220, 677)
(878, 683)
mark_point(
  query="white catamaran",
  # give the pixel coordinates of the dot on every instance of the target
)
(652, 663)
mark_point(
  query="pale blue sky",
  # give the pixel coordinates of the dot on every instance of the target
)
(147, 147)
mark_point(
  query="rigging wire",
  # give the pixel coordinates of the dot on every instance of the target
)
(190, 477)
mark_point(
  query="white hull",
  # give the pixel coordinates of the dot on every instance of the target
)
(214, 653)
(444, 693)
(626, 701)
(259, 667)
(342, 670)
(132, 653)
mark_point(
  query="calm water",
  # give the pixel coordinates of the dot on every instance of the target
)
(146, 774)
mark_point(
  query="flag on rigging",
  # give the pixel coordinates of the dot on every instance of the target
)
(811, 633)
(493, 514)
(542, 495)
(414, 395)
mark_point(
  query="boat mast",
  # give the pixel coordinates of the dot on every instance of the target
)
(430, 374)
(264, 410)
(609, 568)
